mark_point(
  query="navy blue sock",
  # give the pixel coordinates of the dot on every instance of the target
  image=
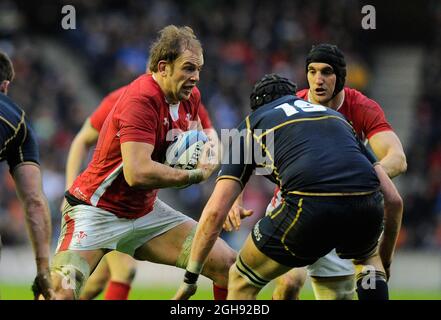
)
(370, 287)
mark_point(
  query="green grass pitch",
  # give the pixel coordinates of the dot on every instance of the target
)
(23, 292)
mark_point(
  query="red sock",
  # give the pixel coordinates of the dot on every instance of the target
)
(219, 293)
(117, 291)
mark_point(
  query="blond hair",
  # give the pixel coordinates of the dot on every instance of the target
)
(171, 43)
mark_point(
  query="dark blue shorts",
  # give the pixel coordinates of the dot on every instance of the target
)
(305, 228)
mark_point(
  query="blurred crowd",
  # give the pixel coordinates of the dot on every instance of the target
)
(242, 40)
(422, 219)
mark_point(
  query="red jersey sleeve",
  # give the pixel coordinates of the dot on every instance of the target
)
(374, 119)
(99, 115)
(138, 121)
(204, 117)
(302, 94)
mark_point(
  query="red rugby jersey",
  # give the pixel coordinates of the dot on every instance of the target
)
(99, 115)
(365, 115)
(141, 114)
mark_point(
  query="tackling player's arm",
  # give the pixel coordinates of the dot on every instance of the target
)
(207, 232)
(387, 147)
(141, 171)
(230, 182)
(27, 178)
(393, 213)
(81, 144)
(205, 124)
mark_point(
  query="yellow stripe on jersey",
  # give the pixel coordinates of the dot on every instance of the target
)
(299, 210)
(301, 120)
(273, 165)
(16, 130)
(275, 214)
(331, 194)
(8, 123)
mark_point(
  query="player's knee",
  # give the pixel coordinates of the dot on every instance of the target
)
(333, 288)
(218, 264)
(235, 281)
(218, 271)
(288, 286)
(69, 271)
(294, 280)
(221, 269)
(61, 291)
(229, 259)
(129, 274)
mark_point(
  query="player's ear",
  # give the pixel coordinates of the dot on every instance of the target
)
(4, 86)
(162, 67)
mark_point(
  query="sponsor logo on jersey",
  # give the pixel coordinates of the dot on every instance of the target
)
(256, 232)
(78, 194)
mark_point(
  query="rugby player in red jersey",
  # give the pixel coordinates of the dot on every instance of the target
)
(332, 277)
(116, 270)
(113, 205)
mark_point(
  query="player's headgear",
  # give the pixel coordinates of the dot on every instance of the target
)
(332, 55)
(270, 88)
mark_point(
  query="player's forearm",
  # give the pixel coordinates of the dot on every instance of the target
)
(209, 228)
(213, 218)
(39, 228)
(392, 223)
(75, 158)
(394, 164)
(154, 175)
(239, 200)
(393, 212)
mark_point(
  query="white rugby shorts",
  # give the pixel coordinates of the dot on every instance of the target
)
(85, 227)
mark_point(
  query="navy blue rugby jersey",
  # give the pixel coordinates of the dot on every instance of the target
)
(304, 148)
(18, 143)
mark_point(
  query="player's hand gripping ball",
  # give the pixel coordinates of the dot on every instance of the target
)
(185, 151)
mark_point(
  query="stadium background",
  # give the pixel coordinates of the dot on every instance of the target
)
(61, 75)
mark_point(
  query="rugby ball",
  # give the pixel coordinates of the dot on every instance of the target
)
(186, 149)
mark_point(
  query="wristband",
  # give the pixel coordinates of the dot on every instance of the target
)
(195, 176)
(192, 272)
(190, 277)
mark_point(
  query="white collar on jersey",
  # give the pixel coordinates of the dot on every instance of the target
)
(174, 111)
(341, 103)
(174, 108)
